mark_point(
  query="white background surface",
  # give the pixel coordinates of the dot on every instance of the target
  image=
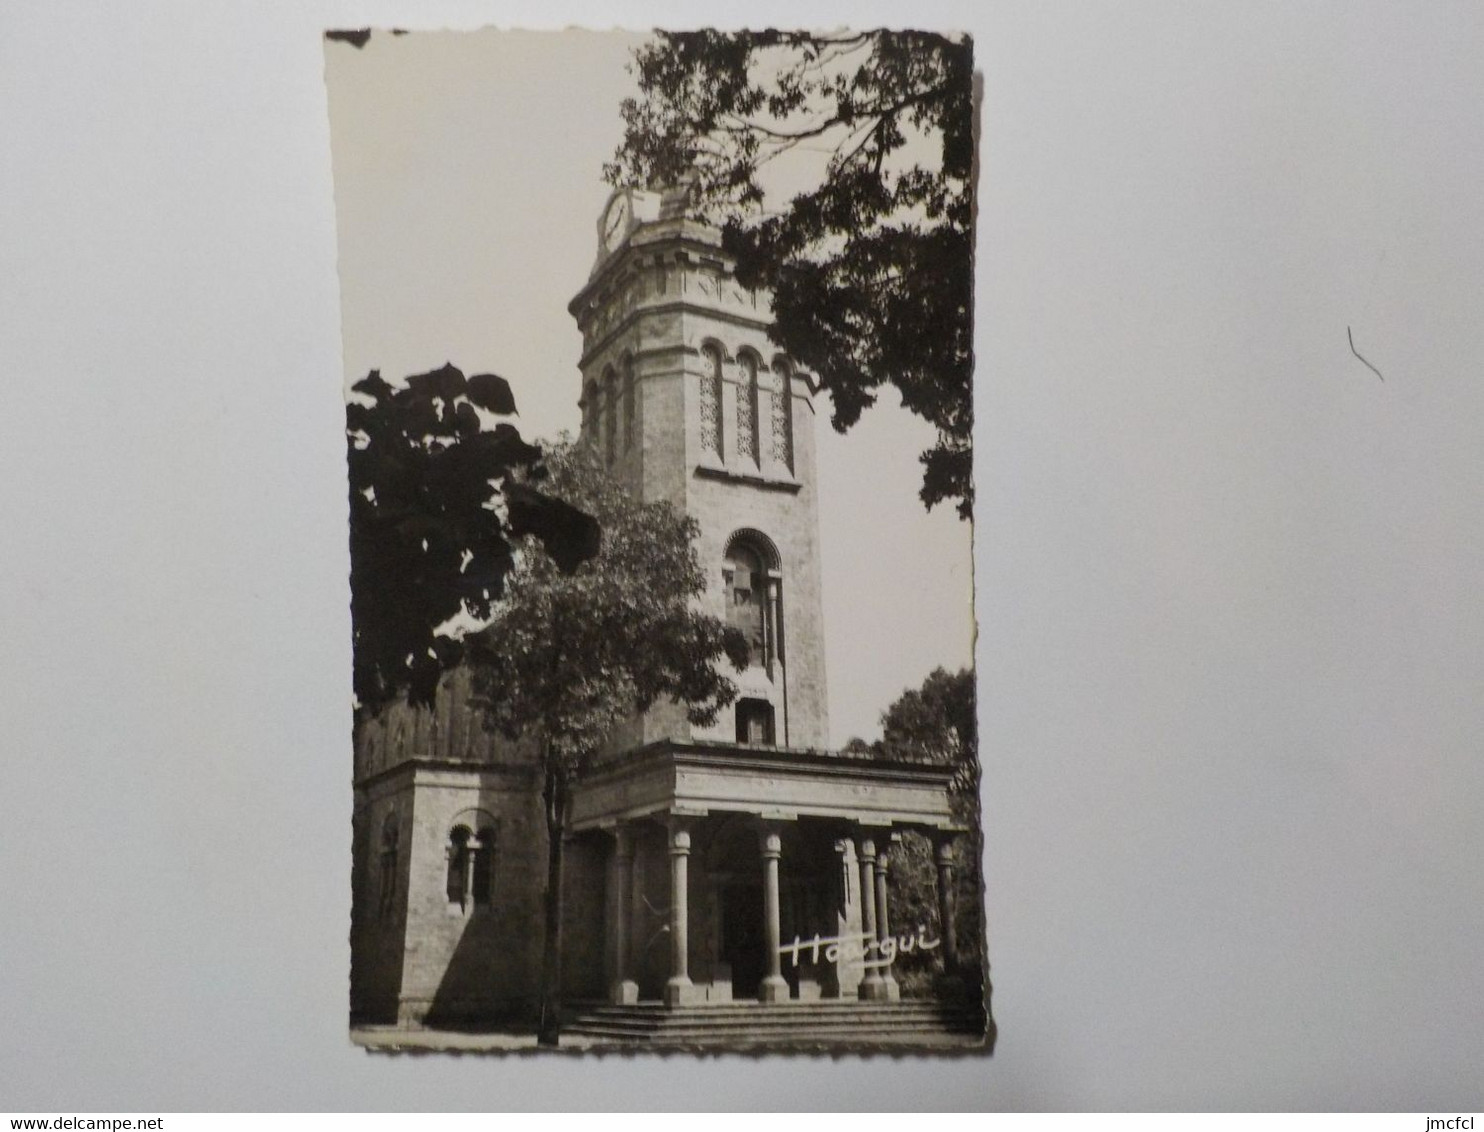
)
(1228, 579)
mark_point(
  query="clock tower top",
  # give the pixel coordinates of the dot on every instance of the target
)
(626, 209)
(629, 209)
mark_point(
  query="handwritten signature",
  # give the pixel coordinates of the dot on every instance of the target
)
(861, 948)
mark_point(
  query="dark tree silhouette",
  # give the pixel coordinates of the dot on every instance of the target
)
(428, 541)
(871, 268)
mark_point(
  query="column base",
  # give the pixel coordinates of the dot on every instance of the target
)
(893, 988)
(875, 990)
(683, 992)
(773, 989)
(624, 993)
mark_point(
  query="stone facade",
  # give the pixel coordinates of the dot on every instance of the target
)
(418, 954)
(663, 311)
(696, 858)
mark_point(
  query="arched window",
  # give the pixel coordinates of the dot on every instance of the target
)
(471, 866)
(755, 723)
(783, 414)
(752, 592)
(711, 400)
(387, 889)
(747, 596)
(628, 403)
(610, 389)
(747, 409)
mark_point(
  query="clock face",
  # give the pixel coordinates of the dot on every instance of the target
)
(615, 220)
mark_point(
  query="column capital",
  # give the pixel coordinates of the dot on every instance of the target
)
(770, 841)
(865, 849)
(623, 839)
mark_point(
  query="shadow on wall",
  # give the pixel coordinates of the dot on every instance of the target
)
(585, 965)
(378, 915)
(472, 994)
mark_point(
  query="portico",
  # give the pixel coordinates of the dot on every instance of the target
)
(755, 873)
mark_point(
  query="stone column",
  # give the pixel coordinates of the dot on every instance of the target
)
(623, 990)
(774, 988)
(679, 990)
(872, 986)
(946, 901)
(471, 852)
(838, 976)
(774, 653)
(883, 925)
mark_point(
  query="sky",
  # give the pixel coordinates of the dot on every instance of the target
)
(468, 185)
(1231, 648)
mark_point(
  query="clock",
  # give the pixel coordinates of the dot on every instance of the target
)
(616, 221)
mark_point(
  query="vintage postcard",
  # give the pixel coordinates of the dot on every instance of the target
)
(659, 402)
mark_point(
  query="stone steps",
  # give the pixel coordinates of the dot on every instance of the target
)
(836, 1022)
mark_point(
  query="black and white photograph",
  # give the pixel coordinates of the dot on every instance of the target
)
(657, 743)
(630, 557)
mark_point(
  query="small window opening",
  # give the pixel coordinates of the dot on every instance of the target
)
(755, 723)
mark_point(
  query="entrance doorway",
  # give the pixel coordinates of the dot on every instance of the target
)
(742, 937)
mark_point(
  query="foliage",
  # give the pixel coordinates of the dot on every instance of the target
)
(936, 725)
(427, 539)
(569, 656)
(871, 269)
(572, 654)
(914, 902)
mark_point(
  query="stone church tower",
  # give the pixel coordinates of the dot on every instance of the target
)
(711, 869)
(686, 400)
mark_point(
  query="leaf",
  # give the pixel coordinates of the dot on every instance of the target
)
(570, 536)
(444, 383)
(373, 386)
(491, 392)
(466, 421)
(501, 448)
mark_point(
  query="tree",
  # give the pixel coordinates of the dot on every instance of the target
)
(569, 656)
(428, 543)
(936, 725)
(871, 270)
